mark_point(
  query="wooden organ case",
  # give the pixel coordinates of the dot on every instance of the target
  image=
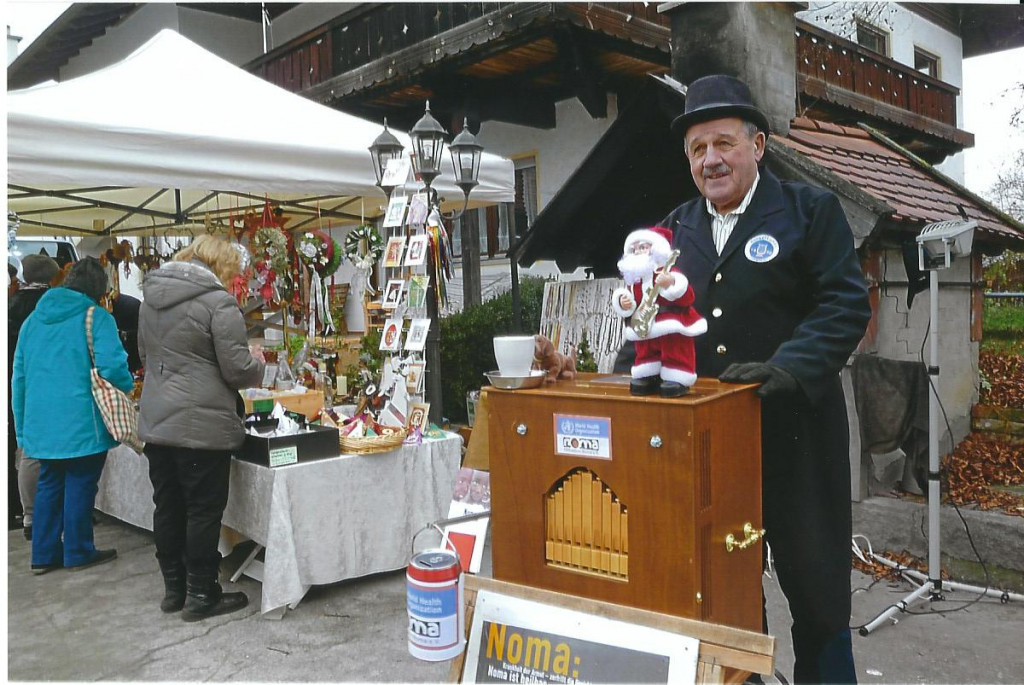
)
(648, 502)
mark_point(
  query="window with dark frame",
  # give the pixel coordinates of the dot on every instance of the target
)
(926, 63)
(872, 38)
(499, 225)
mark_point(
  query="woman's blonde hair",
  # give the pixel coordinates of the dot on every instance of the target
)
(222, 258)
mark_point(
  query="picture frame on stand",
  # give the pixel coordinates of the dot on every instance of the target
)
(393, 293)
(416, 340)
(393, 252)
(391, 336)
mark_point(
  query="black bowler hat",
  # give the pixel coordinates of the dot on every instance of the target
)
(716, 97)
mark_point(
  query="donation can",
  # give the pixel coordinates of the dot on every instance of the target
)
(434, 599)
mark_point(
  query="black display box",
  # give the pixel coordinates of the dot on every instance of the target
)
(320, 442)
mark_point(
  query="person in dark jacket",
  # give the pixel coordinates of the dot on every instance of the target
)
(56, 418)
(774, 270)
(193, 345)
(126, 313)
(22, 471)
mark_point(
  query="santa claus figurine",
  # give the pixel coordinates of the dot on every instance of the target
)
(666, 323)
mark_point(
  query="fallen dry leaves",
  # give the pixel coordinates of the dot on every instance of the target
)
(984, 459)
(979, 462)
(878, 571)
(1005, 376)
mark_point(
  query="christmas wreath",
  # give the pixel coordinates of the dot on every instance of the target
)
(364, 247)
(270, 261)
(318, 251)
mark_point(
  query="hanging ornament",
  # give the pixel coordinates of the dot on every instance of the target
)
(364, 247)
(440, 257)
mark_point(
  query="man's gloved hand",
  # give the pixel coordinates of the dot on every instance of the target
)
(774, 379)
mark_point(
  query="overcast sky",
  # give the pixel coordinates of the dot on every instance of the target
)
(988, 94)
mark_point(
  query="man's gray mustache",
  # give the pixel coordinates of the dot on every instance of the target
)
(720, 169)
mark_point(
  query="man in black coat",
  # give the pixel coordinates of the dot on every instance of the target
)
(777, 278)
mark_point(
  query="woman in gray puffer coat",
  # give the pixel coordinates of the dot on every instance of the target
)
(193, 345)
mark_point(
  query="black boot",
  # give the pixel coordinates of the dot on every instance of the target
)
(206, 598)
(644, 386)
(174, 586)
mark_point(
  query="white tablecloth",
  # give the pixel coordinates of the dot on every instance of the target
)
(320, 521)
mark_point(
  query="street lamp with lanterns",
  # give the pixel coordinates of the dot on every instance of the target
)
(428, 141)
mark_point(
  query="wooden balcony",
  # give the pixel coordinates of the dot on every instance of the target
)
(364, 50)
(843, 73)
(375, 31)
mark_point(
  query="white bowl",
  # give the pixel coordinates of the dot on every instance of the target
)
(534, 380)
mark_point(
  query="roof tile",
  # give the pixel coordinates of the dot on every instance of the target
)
(888, 174)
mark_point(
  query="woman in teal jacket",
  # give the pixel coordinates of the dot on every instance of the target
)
(56, 418)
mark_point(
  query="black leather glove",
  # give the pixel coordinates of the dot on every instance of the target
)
(774, 379)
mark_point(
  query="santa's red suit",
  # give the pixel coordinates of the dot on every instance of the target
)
(667, 350)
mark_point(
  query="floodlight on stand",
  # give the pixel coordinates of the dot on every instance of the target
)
(384, 149)
(940, 242)
(938, 245)
(427, 147)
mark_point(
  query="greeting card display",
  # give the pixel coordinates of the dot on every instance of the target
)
(393, 293)
(396, 173)
(393, 252)
(396, 211)
(416, 340)
(417, 254)
(418, 414)
(418, 290)
(391, 338)
(414, 377)
(417, 215)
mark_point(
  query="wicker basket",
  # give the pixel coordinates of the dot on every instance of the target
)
(372, 444)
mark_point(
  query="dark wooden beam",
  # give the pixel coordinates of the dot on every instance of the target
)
(580, 74)
(510, 100)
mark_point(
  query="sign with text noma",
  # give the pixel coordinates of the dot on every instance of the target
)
(519, 641)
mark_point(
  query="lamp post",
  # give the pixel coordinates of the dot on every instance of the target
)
(428, 140)
(385, 148)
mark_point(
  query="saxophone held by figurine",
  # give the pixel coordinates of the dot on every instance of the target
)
(645, 312)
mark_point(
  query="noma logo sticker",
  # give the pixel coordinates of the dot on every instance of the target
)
(583, 436)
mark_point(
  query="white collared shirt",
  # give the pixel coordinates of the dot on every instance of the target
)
(722, 224)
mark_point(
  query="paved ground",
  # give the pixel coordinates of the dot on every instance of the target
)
(105, 624)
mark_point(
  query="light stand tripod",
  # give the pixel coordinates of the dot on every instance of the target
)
(937, 246)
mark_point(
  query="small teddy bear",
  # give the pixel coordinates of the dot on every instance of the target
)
(557, 365)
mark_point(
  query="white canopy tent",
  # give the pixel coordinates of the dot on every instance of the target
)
(174, 135)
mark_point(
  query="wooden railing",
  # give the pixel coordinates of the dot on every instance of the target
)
(378, 30)
(842, 63)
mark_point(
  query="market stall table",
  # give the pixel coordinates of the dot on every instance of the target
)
(320, 521)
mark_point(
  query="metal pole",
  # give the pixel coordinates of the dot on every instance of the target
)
(263, 23)
(432, 351)
(934, 484)
(517, 306)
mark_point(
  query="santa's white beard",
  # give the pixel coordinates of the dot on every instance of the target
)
(636, 267)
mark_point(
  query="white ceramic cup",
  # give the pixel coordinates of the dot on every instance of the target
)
(514, 354)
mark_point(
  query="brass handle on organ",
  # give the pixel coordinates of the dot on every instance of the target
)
(750, 536)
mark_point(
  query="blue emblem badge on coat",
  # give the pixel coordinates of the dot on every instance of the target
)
(761, 248)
